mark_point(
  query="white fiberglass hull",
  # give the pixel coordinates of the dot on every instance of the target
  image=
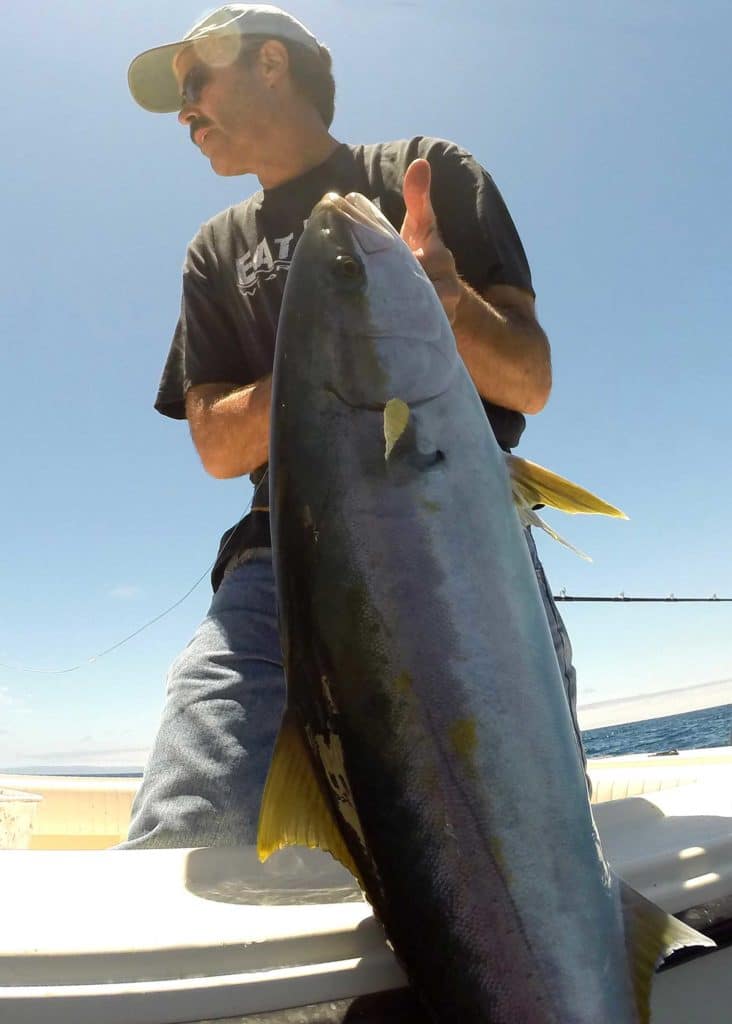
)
(93, 935)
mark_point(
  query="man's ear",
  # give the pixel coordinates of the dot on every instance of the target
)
(274, 60)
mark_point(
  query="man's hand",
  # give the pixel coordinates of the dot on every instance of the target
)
(421, 234)
(497, 334)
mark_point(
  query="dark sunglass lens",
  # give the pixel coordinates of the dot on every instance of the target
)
(193, 85)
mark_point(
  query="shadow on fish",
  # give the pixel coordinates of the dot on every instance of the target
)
(427, 742)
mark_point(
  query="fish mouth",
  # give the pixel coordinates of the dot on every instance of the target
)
(362, 406)
(376, 406)
(369, 226)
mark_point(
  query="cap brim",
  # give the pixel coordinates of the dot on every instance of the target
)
(151, 80)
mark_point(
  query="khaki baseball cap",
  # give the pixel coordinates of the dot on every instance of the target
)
(218, 37)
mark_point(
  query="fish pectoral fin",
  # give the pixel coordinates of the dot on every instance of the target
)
(404, 450)
(529, 518)
(294, 809)
(533, 485)
(651, 936)
(396, 419)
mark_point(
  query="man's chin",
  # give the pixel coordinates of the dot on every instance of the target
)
(225, 166)
(225, 169)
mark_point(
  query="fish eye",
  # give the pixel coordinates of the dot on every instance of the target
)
(348, 268)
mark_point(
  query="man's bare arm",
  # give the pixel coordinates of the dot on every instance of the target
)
(504, 347)
(498, 336)
(230, 426)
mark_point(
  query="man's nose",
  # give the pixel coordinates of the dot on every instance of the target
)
(185, 115)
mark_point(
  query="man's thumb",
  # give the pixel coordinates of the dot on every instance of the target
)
(416, 191)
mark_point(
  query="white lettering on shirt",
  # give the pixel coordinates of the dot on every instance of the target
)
(284, 246)
(263, 261)
(253, 268)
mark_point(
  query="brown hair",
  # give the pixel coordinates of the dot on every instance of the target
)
(311, 72)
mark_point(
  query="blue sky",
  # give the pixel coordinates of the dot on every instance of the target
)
(606, 127)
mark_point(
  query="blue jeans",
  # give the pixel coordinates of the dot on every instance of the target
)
(225, 695)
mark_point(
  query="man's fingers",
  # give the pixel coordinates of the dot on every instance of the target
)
(421, 234)
(419, 221)
(416, 186)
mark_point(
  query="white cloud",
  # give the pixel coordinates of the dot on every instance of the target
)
(110, 757)
(124, 591)
(655, 705)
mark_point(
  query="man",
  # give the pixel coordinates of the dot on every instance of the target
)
(254, 89)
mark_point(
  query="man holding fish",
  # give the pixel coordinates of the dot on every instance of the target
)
(254, 89)
(427, 675)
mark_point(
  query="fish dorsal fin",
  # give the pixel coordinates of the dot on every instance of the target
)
(396, 418)
(533, 485)
(651, 935)
(294, 810)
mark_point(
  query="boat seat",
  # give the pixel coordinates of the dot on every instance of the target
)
(614, 778)
(674, 845)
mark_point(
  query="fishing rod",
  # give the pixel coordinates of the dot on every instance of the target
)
(624, 599)
(561, 596)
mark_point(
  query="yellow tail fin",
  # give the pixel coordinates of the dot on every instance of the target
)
(651, 936)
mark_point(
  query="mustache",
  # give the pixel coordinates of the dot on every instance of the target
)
(195, 124)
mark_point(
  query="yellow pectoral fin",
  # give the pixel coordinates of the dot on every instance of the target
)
(396, 418)
(294, 810)
(651, 935)
(534, 485)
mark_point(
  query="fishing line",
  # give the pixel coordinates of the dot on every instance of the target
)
(114, 647)
(146, 625)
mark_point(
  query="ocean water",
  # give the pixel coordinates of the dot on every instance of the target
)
(693, 730)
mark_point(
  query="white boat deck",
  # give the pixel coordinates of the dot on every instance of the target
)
(93, 935)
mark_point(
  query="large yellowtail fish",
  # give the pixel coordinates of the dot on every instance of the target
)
(427, 741)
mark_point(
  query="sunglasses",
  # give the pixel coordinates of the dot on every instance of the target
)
(194, 83)
(200, 75)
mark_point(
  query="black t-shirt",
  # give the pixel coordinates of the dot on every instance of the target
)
(235, 270)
